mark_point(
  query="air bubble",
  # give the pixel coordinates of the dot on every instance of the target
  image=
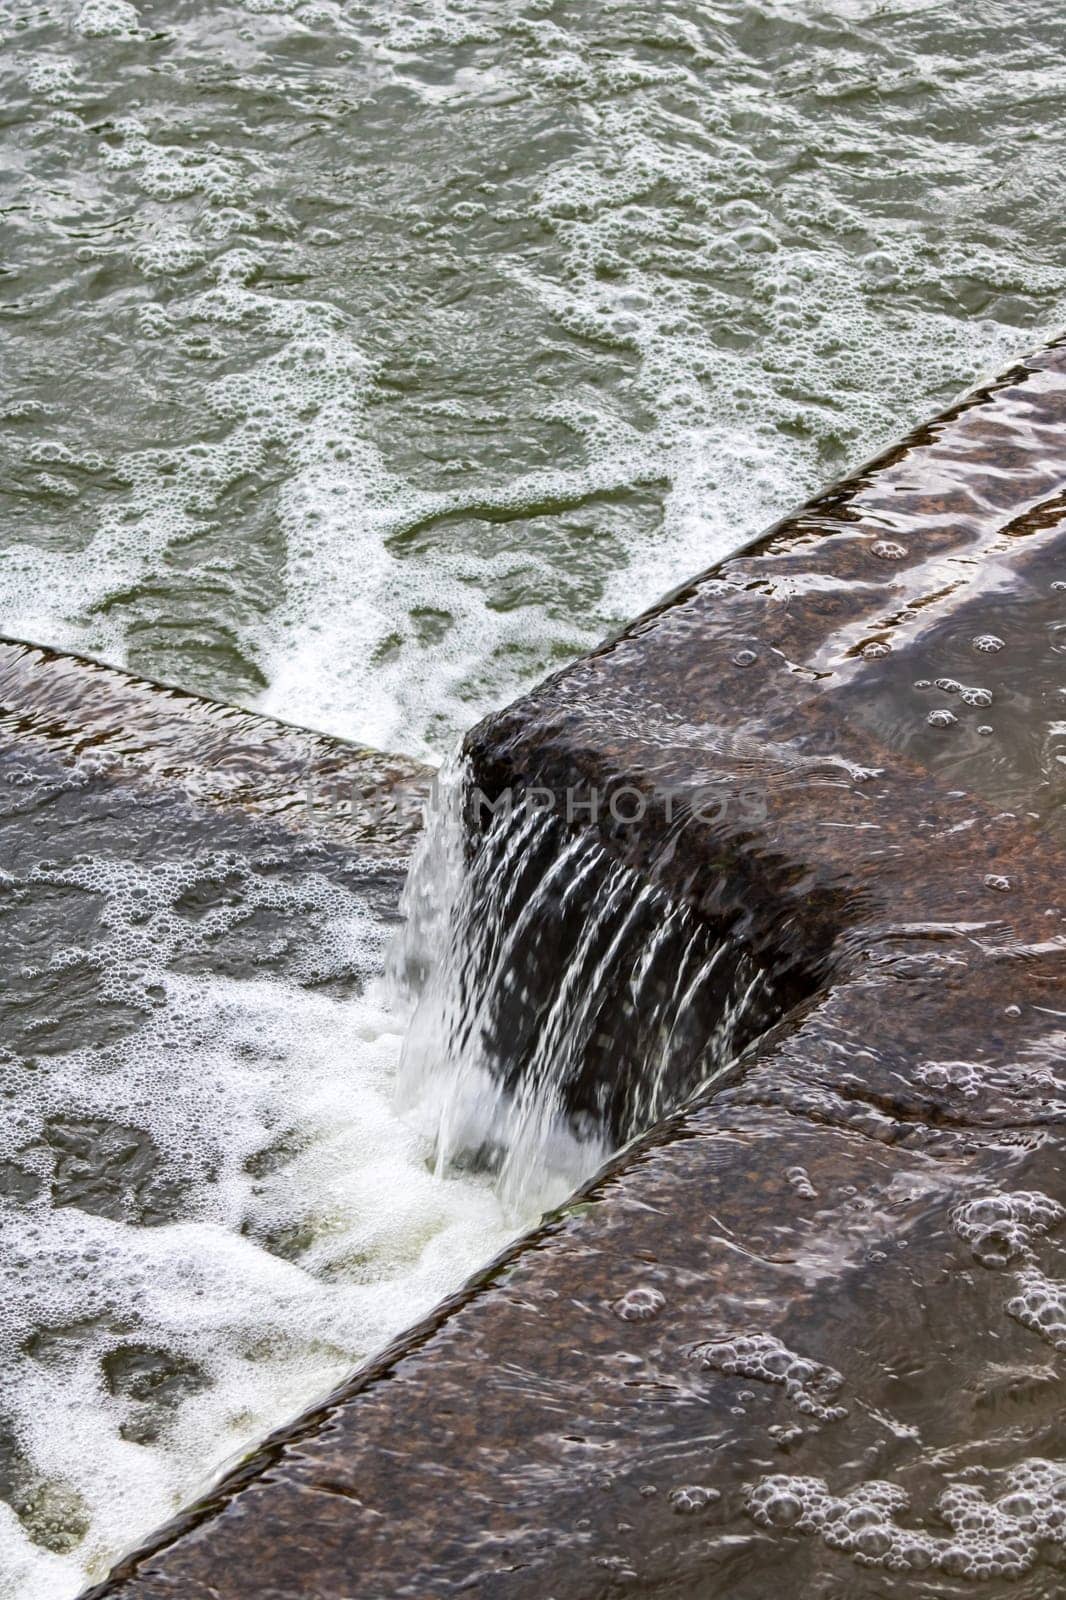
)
(693, 1497)
(960, 1076)
(809, 1384)
(639, 1305)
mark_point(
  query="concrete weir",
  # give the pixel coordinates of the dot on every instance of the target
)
(806, 1334)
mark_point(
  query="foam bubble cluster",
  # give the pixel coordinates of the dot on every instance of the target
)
(643, 1304)
(810, 1385)
(1040, 1305)
(800, 1181)
(693, 1497)
(108, 19)
(52, 78)
(1001, 1227)
(1001, 1524)
(1003, 1231)
(961, 1076)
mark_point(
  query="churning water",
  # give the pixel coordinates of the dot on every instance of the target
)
(363, 359)
(210, 1208)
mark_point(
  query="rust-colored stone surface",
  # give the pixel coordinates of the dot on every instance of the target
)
(872, 1202)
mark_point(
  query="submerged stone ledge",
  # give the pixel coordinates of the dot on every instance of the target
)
(131, 729)
(807, 1333)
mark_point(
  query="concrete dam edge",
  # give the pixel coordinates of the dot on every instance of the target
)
(804, 1329)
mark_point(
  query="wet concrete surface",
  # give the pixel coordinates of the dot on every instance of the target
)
(807, 1334)
(128, 728)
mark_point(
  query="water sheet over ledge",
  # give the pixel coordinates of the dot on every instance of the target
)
(808, 1334)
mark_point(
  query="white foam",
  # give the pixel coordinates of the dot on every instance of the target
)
(1002, 1523)
(108, 19)
(52, 77)
(756, 347)
(811, 1386)
(220, 1071)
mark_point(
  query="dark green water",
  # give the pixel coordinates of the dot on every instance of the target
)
(364, 360)
(361, 362)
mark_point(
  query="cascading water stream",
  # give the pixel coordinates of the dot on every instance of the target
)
(559, 1004)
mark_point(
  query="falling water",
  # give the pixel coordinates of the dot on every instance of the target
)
(560, 1003)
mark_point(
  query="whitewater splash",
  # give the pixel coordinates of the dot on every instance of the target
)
(560, 1004)
(210, 1211)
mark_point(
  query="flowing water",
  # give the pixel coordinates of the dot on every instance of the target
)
(559, 1005)
(210, 1209)
(361, 362)
(365, 359)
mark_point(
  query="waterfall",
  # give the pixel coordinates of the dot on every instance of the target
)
(559, 1003)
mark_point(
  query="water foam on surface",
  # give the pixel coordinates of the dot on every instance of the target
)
(211, 1216)
(378, 441)
(811, 1386)
(1001, 1524)
(984, 1522)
